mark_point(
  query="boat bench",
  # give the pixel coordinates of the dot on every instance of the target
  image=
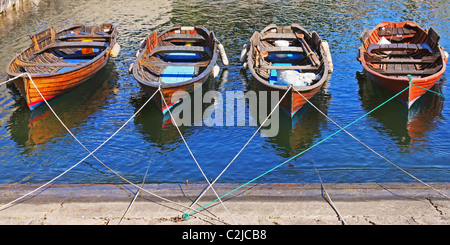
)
(290, 67)
(164, 63)
(402, 72)
(283, 36)
(389, 31)
(78, 44)
(84, 36)
(290, 49)
(424, 60)
(398, 47)
(184, 37)
(181, 49)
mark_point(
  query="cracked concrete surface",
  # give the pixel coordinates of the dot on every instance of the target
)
(259, 204)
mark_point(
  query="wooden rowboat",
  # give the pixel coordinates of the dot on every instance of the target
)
(59, 61)
(394, 54)
(293, 51)
(175, 60)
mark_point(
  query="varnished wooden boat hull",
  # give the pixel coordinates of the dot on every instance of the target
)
(293, 101)
(395, 84)
(55, 85)
(51, 83)
(151, 83)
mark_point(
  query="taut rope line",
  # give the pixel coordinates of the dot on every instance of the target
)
(309, 148)
(328, 198)
(223, 171)
(193, 157)
(138, 192)
(68, 130)
(368, 147)
(90, 153)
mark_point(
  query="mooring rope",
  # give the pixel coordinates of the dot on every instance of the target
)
(193, 157)
(245, 145)
(309, 148)
(138, 192)
(91, 153)
(68, 130)
(328, 198)
(11, 79)
(371, 149)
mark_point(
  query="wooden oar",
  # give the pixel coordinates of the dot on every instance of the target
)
(312, 56)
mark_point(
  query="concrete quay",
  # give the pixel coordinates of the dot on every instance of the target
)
(255, 204)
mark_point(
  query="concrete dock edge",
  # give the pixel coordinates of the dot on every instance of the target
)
(256, 204)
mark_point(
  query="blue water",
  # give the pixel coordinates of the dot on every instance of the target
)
(35, 148)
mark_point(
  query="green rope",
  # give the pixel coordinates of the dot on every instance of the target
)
(431, 91)
(316, 144)
(410, 80)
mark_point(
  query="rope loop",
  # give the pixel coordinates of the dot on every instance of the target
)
(185, 216)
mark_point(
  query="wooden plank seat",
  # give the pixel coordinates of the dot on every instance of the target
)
(164, 63)
(276, 36)
(398, 47)
(424, 72)
(184, 37)
(54, 64)
(183, 49)
(77, 44)
(424, 60)
(290, 49)
(389, 31)
(275, 67)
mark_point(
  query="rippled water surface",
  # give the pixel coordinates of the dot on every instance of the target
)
(34, 147)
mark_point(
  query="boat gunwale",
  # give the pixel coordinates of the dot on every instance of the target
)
(362, 50)
(319, 83)
(212, 62)
(102, 54)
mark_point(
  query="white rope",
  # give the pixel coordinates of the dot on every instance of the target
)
(328, 198)
(11, 79)
(195, 160)
(138, 192)
(90, 153)
(223, 171)
(404, 171)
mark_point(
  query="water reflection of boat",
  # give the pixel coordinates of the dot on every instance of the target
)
(297, 133)
(38, 126)
(157, 127)
(403, 125)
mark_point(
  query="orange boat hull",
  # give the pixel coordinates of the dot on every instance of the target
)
(398, 81)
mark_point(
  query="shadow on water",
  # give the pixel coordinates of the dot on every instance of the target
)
(405, 127)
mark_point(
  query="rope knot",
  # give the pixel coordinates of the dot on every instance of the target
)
(185, 216)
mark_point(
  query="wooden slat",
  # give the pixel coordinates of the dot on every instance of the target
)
(305, 67)
(169, 49)
(179, 36)
(36, 64)
(425, 72)
(424, 60)
(283, 49)
(394, 47)
(278, 36)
